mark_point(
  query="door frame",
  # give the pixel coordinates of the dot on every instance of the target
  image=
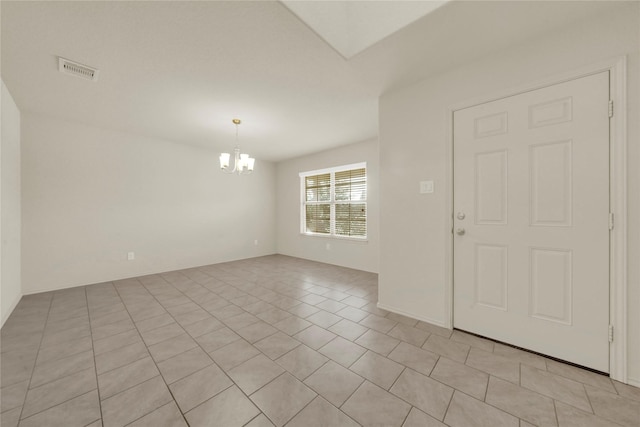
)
(617, 68)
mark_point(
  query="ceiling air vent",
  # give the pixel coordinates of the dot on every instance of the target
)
(78, 70)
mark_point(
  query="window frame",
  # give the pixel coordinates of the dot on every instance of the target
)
(332, 202)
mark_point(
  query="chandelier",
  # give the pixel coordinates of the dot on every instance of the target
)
(242, 163)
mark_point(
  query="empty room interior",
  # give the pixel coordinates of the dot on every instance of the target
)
(320, 213)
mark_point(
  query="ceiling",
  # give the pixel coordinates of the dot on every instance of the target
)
(182, 70)
(352, 26)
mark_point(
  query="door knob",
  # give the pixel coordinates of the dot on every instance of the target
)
(460, 216)
(460, 231)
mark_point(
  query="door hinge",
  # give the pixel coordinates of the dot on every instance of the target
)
(611, 108)
(610, 333)
(611, 223)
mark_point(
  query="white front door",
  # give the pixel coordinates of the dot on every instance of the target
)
(531, 220)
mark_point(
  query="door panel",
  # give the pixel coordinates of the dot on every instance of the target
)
(551, 184)
(531, 176)
(550, 284)
(491, 282)
(491, 187)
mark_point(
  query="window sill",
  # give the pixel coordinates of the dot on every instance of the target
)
(334, 237)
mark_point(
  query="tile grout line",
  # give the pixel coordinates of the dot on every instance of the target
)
(61, 403)
(353, 392)
(248, 288)
(161, 406)
(35, 361)
(121, 366)
(285, 371)
(150, 356)
(144, 286)
(110, 323)
(412, 405)
(588, 399)
(486, 389)
(524, 388)
(202, 403)
(404, 420)
(198, 344)
(451, 400)
(95, 365)
(64, 376)
(253, 419)
(404, 367)
(555, 412)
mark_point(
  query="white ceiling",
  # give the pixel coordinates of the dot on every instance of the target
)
(352, 26)
(182, 70)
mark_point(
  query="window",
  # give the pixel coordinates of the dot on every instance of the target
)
(334, 202)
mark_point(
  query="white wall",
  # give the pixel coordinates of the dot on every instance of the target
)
(346, 253)
(91, 195)
(413, 146)
(10, 288)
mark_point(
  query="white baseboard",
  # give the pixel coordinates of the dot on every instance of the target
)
(633, 382)
(411, 315)
(12, 307)
(129, 275)
(61, 288)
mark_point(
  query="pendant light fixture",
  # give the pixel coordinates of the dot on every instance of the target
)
(242, 164)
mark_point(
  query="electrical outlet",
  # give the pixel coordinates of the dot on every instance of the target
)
(328, 246)
(255, 242)
(131, 256)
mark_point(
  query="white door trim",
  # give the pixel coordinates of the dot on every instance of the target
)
(618, 199)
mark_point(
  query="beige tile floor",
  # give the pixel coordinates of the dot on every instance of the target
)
(274, 341)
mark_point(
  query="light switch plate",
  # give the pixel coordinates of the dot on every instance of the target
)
(426, 187)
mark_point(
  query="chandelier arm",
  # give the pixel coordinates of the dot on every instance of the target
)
(236, 160)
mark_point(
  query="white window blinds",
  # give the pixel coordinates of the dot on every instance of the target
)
(335, 202)
(318, 203)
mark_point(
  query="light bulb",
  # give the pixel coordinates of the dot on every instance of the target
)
(224, 160)
(244, 160)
